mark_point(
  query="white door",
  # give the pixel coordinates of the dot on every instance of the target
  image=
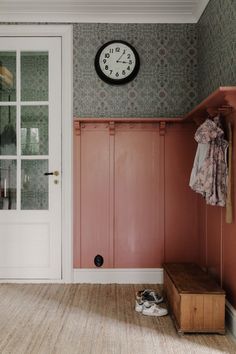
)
(30, 146)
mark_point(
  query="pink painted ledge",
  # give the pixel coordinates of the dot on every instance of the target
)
(223, 100)
(112, 121)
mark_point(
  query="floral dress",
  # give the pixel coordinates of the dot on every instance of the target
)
(209, 173)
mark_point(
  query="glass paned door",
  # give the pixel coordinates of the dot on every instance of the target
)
(8, 184)
(8, 149)
(34, 185)
(8, 76)
(34, 76)
(34, 130)
(30, 148)
(7, 130)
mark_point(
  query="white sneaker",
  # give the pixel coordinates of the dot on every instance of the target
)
(140, 305)
(154, 310)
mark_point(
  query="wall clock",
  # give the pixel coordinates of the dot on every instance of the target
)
(117, 62)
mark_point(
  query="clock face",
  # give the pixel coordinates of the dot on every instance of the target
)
(117, 62)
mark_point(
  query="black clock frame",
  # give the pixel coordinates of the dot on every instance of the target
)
(109, 80)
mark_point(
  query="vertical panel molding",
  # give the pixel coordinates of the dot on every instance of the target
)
(111, 192)
(76, 194)
(162, 128)
(162, 133)
(221, 247)
(112, 128)
(77, 128)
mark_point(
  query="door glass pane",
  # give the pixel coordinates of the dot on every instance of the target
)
(8, 130)
(34, 76)
(34, 185)
(8, 184)
(34, 130)
(7, 76)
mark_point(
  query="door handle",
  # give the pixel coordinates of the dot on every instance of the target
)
(55, 173)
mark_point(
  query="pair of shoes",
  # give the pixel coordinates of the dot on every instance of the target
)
(150, 310)
(147, 301)
(148, 295)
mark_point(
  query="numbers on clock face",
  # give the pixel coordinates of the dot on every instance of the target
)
(117, 61)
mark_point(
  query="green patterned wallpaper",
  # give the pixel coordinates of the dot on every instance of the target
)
(217, 46)
(180, 65)
(166, 85)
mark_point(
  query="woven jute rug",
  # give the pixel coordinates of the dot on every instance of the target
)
(91, 319)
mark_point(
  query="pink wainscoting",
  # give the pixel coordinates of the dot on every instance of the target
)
(229, 260)
(202, 232)
(94, 196)
(214, 241)
(76, 194)
(132, 203)
(219, 251)
(229, 233)
(138, 242)
(181, 203)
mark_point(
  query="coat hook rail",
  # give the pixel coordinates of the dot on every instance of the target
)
(224, 109)
(223, 100)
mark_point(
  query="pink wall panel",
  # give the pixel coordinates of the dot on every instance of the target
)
(220, 243)
(214, 241)
(95, 238)
(202, 210)
(138, 242)
(76, 195)
(229, 261)
(229, 236)
(181, 204)
(132, 202)
(133, 205)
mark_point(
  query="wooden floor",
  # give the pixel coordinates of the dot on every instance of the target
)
(90, 319)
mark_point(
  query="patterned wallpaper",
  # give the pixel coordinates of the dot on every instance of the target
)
(180, 65)
(217, 46)
(166, 85)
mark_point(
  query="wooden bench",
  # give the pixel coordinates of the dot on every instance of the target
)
(196, 302)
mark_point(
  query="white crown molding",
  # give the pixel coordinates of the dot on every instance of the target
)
(119, 276)
(200, 7)
(102, 11)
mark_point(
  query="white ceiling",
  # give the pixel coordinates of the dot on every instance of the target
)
(111, 11)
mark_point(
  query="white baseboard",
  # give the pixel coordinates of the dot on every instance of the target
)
(119, 276)
(230, 313)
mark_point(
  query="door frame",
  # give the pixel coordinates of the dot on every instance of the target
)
(65, 32)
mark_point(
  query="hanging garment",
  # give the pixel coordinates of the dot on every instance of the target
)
(229, 207)
(209, 173)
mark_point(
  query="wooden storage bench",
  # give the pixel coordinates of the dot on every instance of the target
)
(195, 300)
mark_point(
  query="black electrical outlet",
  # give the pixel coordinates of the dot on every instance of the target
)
(98, 260)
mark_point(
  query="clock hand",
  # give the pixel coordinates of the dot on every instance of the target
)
(123, 62)
(120, 58)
